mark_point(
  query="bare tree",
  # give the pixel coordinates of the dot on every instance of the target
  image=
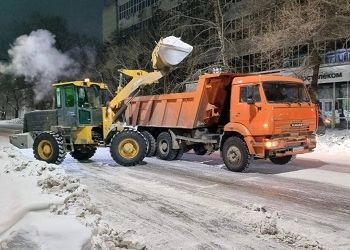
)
(14, 94)
(305, 23)
(202, 23)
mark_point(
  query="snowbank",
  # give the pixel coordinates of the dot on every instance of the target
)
(334, 141)
(12, 121)
(271, 225)
(41, 207)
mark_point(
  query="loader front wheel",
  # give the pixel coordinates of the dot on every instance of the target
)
(48, 147)
(128, 148)
(83, 153)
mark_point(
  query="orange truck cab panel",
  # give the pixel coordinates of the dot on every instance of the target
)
(274, 114)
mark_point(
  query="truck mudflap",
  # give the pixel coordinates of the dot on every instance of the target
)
(279, 147)
(22, 141)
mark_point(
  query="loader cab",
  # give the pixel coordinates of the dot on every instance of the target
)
(79, 103)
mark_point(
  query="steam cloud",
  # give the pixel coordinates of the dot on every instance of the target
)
(35, 58)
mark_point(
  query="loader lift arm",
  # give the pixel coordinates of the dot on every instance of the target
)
(165, 57)
(139, 78)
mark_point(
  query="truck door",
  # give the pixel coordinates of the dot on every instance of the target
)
(246, 107)
(84, 107)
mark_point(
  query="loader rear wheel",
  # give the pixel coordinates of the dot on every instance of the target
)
(48, 147)
(281, 160)
(128, 148)
(83, 153)
(165, 149)
(151, 143)
(235, 154)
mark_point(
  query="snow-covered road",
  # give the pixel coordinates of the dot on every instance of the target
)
(196, 203)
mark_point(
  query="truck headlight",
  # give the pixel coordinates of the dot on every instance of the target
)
(271, 144)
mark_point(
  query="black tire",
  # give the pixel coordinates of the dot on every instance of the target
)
(83, 153)
(128, 138)
(49, 141)
(281, 160)
(180, 152)
(165, 149)
(151, 143)
(235, 154)
(199, 149)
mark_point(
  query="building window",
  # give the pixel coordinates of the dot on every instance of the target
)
(131, 7)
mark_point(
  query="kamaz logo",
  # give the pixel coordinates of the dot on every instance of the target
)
(296, 125)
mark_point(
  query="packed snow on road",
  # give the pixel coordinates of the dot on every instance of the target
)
(194, 203)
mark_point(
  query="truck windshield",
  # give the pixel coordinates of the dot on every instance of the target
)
(285, 92)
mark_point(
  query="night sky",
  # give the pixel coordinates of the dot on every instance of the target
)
(82, 16)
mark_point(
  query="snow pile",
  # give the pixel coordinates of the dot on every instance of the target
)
(35, 196)
(271, 225)
(334, 140)
(16, 121)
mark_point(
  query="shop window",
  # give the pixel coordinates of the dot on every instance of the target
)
(341, 90)
(326, 91)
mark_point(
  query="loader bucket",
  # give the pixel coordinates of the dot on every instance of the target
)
(169, 52)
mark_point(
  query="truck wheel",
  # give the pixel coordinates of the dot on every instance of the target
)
(235, 154)
(48, 147)
(128, 147)
(165, 149)
(199, 149)
(281, 160)
(83, 153)
(151, 143)
(180, 152)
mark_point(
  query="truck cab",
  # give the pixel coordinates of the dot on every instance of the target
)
(274, 114)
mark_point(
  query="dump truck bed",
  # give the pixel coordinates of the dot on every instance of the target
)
(188, 110)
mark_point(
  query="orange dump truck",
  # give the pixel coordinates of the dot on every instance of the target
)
(243, 116)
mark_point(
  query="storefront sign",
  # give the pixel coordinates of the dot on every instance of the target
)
(327, 74)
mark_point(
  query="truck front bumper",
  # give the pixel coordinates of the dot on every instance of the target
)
(278, 147)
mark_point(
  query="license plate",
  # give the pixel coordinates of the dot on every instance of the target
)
(298, 149)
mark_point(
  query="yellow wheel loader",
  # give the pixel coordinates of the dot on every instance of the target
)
(81, 122)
